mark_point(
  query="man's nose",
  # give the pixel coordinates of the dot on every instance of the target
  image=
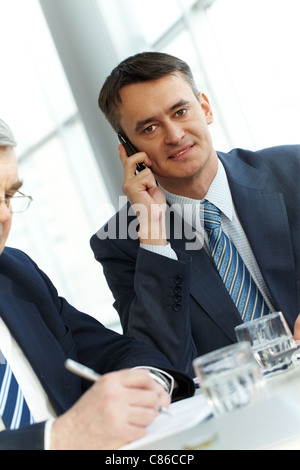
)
(4, 211)
(173, 133)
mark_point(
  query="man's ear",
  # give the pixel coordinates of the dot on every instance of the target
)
(205, 104)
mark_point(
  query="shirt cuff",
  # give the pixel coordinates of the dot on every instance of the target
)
(164, 250)
(47, 433)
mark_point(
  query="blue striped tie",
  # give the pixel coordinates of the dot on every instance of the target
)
(13, 407)
(235, 275)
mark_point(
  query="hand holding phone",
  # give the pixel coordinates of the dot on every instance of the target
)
(130, 150)
(149, 194)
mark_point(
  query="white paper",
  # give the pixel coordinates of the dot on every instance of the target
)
(184, 414)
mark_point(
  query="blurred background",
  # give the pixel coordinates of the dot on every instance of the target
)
(55, 55)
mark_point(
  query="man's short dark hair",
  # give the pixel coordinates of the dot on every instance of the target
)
(142, 67)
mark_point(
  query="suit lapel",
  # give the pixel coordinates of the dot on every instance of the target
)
(206, 285)
(263, 215)
(38, 344)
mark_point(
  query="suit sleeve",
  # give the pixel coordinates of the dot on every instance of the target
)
(26, 438)
(151, 295)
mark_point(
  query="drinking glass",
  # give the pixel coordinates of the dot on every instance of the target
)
(229, 377)
(271, 341)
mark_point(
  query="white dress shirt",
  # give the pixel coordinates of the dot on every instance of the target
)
(31, 387)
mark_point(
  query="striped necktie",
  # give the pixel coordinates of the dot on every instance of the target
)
(13, 407)
(235, 275)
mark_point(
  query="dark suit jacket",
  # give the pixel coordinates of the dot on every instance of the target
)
(182, 307)
(49, 330)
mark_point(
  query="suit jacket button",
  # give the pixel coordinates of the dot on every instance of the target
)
(177, 289)
(177, 298)
(176, 307)
(178, 279)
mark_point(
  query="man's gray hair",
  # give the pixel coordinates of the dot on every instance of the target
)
(7, 138)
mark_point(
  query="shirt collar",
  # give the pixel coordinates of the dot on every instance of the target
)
(218, 193)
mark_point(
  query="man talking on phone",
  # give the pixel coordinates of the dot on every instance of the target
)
(217, 238)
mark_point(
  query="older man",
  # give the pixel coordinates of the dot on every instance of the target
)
(42, 405)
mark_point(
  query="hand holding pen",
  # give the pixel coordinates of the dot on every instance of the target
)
(90, 374)
(114, 411)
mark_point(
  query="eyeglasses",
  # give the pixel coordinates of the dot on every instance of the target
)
(17, 203)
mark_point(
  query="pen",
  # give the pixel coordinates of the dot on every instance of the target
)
(90, 374)
(81, 370)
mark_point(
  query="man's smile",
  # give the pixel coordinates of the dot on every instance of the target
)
(180, 153)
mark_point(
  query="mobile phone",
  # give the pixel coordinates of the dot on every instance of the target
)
(131, 150)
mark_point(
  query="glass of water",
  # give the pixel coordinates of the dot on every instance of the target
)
(229, 377)
(271, 341)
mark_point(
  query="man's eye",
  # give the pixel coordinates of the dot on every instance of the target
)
(150, 129)
(181, 112)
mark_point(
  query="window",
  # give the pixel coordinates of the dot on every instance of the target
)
(56, 162)
(243, 55)
(156, 17)
(258, 45)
